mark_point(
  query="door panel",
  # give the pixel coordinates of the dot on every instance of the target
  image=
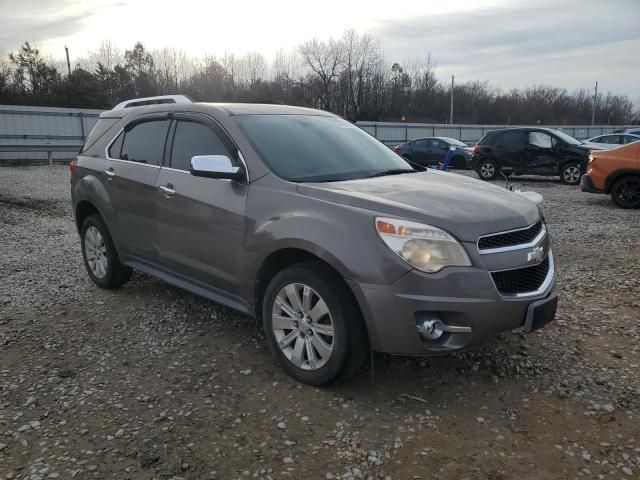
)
(135, 159)
(542, 154)
(201, 226)
(510, 150)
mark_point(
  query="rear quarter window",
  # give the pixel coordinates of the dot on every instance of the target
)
(102, 126)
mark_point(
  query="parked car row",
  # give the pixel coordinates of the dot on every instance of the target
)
(545, 152)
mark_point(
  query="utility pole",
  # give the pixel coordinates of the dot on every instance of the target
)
(451, 113)
(593, 110)
(66, 50)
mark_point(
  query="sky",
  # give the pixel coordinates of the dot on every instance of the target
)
(510, 43)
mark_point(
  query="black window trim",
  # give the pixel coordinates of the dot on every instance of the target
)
(214, 126)
(141, 119)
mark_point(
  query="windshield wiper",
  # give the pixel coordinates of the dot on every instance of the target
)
(391, 171)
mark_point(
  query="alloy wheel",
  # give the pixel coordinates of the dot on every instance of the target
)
(571, 174)
(303, 327)
(487, 170)
(627, 192)
(96, 252)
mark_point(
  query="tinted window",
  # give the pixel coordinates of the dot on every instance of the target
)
(540, 139)
(193, 139)
(421, 144)
(102, 126)
(144, 143)
(597, 139)
(435, 143)
(510, 138)
(317, 148)
(630, 138)
(611, 139)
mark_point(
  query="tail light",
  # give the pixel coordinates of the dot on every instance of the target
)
(476, 149)
(396, 148)
(72, 169)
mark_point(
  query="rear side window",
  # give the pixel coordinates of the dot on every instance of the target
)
(143, 143)
(102, 126)
(629, 139)
(191, 139)
(510, 138)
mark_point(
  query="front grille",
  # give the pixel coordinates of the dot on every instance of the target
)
(508, 239)
(521, 280)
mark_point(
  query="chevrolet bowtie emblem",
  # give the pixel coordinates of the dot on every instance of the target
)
(536, 255)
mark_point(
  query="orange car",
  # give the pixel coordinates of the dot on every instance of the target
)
(615, 172)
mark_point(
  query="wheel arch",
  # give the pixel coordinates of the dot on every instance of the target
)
(618, 174)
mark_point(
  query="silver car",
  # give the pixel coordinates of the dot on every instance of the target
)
(301, 219)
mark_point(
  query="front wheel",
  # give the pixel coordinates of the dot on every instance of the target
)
(625, 192)
(571, 174)
(487, 169)
(100, 256)
(313, 326)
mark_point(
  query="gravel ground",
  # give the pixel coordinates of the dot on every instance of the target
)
(148, 381)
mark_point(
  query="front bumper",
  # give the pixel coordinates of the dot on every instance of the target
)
(586, 185)
(462, 297)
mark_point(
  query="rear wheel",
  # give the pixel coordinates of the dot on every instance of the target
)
(570, 173)
(625, 192)
(100, 256)
(487, 169)
(313, 326)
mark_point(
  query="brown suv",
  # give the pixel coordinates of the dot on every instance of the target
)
(307, 222)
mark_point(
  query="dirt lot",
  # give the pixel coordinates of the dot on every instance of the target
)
(151, 382)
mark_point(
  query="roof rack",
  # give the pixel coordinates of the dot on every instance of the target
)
(140, 102)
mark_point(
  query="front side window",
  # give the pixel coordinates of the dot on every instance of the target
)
(193, 139)
(539, 139)
(313, 148)
(142, 143)
(630, 138)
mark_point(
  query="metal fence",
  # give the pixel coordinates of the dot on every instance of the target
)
(392, 133)
(43, 134)
(48, 134)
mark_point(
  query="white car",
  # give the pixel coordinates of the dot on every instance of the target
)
(613, 140)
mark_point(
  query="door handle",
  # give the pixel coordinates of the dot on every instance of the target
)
(109, 172)
(167, 189)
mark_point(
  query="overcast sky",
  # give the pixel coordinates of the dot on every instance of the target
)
(511, 43)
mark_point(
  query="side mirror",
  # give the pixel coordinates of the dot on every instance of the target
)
(215, 166)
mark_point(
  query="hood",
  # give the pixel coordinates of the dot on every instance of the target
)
(463, 206)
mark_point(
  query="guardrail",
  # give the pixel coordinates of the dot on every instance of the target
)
(48, 149)
(392, 133)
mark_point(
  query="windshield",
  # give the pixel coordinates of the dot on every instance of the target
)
(567, 138)
(311, 148)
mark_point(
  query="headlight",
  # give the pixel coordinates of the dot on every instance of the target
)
(424, 247)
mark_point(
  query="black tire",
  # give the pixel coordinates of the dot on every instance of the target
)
(625, 192)
(487, 169)
(349, 343)
(570, 173)
(115, 274)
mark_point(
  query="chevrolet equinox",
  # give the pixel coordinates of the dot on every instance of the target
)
(306, 222)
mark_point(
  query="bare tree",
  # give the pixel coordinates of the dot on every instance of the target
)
(325, 59)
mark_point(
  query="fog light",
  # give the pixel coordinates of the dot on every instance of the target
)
(433, 328)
